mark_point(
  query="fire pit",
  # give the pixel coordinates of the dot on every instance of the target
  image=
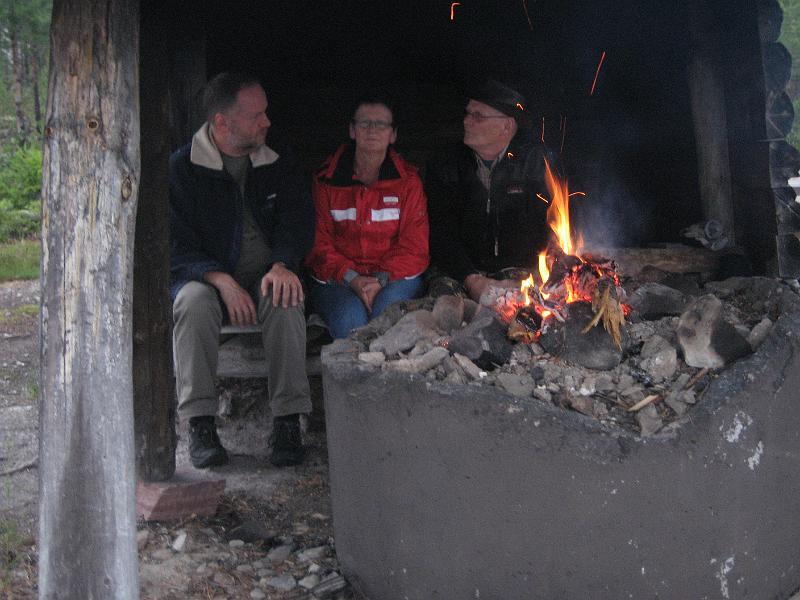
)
(445, 490)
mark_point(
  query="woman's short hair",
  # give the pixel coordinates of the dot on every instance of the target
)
(376, 97)
(220, 93)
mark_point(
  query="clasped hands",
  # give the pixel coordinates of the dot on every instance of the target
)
(286, 291)
(366, 288)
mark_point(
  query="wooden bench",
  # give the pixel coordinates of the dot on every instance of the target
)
(242, 355)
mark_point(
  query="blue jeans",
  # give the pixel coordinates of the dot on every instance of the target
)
(343, 311)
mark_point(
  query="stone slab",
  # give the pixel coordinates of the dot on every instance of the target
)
(448, 491)
(183, 495)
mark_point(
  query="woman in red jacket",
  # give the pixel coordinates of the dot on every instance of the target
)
(371, 243)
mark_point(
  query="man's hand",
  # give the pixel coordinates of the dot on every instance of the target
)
(286, 287)
(366, 288)
(240, 306)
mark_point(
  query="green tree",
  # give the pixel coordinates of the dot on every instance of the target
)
(24, 47)
(790, 37)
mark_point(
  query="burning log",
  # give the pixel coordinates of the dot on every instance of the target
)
(526, 325)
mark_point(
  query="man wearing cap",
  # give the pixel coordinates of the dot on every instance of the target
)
(482, 196)
(241, 222)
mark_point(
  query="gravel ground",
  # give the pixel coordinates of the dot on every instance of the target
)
(272, 536)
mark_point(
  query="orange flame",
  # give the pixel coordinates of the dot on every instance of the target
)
(558, 212)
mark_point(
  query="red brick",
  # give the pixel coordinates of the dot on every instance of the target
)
(181, 496)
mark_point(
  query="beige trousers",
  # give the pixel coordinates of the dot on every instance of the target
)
(197, 315)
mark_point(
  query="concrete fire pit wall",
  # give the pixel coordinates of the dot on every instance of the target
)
(454, 492)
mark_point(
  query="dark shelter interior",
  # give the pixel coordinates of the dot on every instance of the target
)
(609, 87)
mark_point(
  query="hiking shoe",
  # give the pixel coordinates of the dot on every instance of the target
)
(286, 442)
(205, 449)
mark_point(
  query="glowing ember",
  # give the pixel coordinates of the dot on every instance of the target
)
(597, 73)
(453, 10)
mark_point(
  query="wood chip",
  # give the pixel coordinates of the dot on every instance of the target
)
(697, 377)
(28, 465)
(642, 403)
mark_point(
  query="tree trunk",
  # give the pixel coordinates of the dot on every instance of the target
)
(37, 106)
(18, 72)
(87, 524)
(154, 390)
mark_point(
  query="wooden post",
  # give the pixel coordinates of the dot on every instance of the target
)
(87, 526)
(154, 390)
(707, 94)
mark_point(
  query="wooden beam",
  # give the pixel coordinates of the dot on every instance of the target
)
(154, 389)
(706, 90)
(87, 526)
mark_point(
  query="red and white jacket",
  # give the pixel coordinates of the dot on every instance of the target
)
(371, 230)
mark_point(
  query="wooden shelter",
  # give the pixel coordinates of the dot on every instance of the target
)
(124, 82)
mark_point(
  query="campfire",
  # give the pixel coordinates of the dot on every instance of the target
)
(565, 275)
(636, 353)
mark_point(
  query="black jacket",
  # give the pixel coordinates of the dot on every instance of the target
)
(472, 230)
(205, 210)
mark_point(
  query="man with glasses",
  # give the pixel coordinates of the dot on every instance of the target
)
(484, 212)
(241, 221)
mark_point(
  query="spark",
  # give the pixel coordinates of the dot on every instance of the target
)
(542, 129)
(597, 73)
(563, 131)
(510, 155)
(527, 16)
(519, 106)
(543, 199)
(453, 10)
(577, 194)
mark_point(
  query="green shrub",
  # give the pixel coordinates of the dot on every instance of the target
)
(20, 189)
(19, 260)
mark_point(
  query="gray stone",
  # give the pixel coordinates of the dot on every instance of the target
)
(516, 385)
(279, 553)
(236, 543)
(314, 568)
(470, 368)
(448, 312)
(605, 383)
(582, 404)
(265, 572)
(372, 358)
(244, 569)
(470, 309)
(674, 401)
(594, 349)
(179, 543)
(483, 341)
(418, 364)
(659, 358)
(142, 536)
(257, 594)
(648, 420)
(309, 581)
(223, 579)
(759, 333)
(310, 554)
(655, 300)
(541, 393)
(705, 338)
(282, 583)
(405, 333)
(251, 531)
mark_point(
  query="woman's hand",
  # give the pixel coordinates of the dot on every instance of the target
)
(366, 288)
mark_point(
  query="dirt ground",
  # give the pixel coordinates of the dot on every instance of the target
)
(272, 536)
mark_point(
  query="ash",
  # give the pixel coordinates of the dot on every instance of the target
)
(676, 339)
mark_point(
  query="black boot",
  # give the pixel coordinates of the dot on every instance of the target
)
(286, 441)
(205, 448)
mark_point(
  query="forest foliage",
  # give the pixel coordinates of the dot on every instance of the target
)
(24, 52)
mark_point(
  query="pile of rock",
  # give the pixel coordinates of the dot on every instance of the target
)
(673, 342)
